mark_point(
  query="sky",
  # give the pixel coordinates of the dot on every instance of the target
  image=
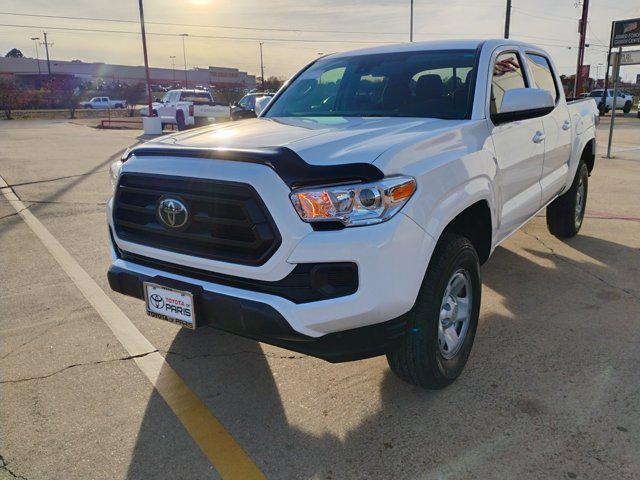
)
(295, 32)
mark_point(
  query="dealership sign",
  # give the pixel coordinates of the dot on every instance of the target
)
(626, 33)
(630, 57)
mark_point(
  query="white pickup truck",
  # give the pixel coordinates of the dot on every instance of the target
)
(624, 101)
(103, 103)
(186, 108)
(350, 219)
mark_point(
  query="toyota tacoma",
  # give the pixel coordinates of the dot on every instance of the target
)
(350, 219)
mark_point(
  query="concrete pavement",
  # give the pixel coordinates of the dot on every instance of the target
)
(550, 391)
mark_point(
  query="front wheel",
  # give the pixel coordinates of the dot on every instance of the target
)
(443, 321)
(627, 107)
(566, 213)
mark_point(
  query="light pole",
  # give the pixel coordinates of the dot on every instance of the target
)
(35, 42)
(507, 20)
(146, 61)
(184, 56)
(411, 23)
(46, 48)
(261, 67)
(173, 66)
(598, 71)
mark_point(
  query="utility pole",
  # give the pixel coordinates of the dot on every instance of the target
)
(582, 30)
(146, 60)
(261, 67)
(46, 47)
(173, 66)
(184, 57)
(411, 23)
(507, 20)
(35, 42)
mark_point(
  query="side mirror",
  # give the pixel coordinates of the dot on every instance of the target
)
(524, 103)
(261, 103)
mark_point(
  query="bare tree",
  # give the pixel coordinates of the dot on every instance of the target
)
(12, 97)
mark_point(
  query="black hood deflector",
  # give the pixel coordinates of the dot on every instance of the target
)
(289, 166)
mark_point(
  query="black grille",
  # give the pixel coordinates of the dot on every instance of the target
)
(228, 220)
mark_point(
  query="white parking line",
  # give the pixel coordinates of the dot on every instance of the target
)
(224, 453)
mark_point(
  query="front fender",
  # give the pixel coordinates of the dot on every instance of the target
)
(458, 199)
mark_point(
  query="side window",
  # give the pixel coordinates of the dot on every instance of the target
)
(507, 75)
(543, 74)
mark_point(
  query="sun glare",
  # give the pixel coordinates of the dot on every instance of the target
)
(200, 3)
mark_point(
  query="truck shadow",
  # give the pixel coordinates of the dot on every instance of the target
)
(533, 396)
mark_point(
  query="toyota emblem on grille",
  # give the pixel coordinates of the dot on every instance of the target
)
(172, 212)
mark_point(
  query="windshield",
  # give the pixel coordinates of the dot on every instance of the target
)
(435, 84)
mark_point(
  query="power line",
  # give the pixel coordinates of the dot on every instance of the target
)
(195, 25)
(559, 18)
(219, 37)
(199, 25)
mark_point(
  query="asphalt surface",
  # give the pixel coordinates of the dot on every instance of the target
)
(552, 388)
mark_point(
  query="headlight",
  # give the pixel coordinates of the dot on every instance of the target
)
(353, 205)
(114, 173)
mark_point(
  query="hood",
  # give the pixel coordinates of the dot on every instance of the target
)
(318, 140)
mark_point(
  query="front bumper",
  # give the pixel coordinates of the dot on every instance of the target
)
(260, 321)
(391, 260)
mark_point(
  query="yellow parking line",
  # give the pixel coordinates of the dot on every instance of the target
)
(224, 453)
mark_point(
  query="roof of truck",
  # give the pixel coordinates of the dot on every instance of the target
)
(466, 44)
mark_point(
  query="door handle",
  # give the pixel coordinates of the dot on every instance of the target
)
(566, 125)
(538, 137)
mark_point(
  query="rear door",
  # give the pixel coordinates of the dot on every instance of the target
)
(519, 146)
(557, 128)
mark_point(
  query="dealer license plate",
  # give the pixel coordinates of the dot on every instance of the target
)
(168, 304)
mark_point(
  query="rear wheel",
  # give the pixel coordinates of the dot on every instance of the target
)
(180, 120)
(627, 107)
(566, 213)
(444, 319)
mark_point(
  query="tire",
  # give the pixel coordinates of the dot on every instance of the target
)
(180, 121)
(627, 107)
(566, 213)
(421, 359)
(638, 113)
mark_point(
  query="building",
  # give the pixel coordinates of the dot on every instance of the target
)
(27, 69)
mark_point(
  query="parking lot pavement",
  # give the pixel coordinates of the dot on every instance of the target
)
(550, 391)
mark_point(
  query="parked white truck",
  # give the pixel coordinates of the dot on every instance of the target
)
(186, 108)
(350, 219)
(624, 101)
(101, 103)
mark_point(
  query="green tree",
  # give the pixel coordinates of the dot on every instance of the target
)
(14, 53)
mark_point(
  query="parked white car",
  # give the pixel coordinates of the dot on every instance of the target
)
(101, 103)
(186, 108)
(624, 101)
(350, 219)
